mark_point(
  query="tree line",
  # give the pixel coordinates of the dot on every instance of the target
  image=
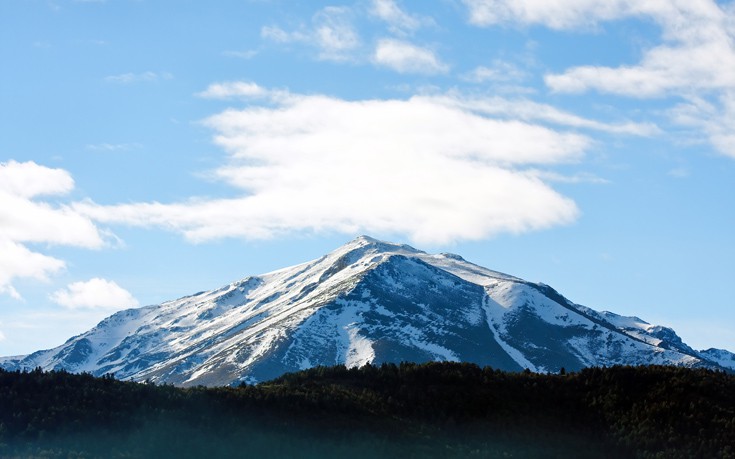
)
(437, 409)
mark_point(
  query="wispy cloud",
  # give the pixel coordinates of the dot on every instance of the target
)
(94, 293)
(498, 71)
(714, 117)
(404, 57)
(278, 35)
(248, 54)
(110, 147)
(580, 177)
(128, 78)
(679, 172)
(331, 32)
(695, 60)
(528, 110)
(399, 21)
(246, 90)
(231, 89)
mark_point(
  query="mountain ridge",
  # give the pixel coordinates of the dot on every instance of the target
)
(368, 301)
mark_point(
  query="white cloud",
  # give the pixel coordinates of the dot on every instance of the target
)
(334, 33)
(405, 57)
(698, 66)
(94, 293)
(19, 262)
(109, 147)
(695, 60)
(25, 219)
(278, 35)
(664, 69)
(27, 180)
(245, 90)
(422, 167)
(716, 118)
(228, 90)
(698, 52)
(528, 110)
(585, 14)
(399, 21)
(331, 32)
(517, 108)
(128, 78)
(499, 71)
(581, 177)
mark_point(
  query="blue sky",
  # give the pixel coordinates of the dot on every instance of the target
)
(152, 149)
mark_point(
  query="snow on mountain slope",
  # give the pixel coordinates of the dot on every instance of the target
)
(366, 302)
(722, 357)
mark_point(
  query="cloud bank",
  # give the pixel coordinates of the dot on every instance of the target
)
(433, 169)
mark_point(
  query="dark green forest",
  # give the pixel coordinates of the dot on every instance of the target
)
(406, 410)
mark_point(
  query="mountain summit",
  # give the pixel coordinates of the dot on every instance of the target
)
(369, 301)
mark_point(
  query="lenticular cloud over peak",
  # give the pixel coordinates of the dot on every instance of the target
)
(424, 167)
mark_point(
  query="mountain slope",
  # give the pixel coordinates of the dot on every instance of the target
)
(366, 302)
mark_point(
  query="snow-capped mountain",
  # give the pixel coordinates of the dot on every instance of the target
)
(367, 302)
(722, 357)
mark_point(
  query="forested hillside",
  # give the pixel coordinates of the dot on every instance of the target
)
(407, 410)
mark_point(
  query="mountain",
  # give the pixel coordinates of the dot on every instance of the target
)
(722, 357)
(366, 302)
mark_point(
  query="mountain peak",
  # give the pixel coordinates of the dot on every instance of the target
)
(377, 245)
(368, 301)
(364, 239)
